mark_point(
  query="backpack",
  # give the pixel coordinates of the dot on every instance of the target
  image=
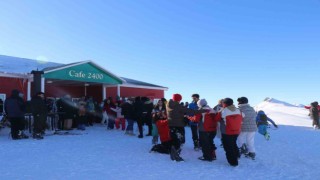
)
(263, 119)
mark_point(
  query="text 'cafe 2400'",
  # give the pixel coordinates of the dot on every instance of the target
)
(77, 79)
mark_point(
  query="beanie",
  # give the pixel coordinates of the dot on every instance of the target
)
(228, 101)
(202, 102)
(177, 97)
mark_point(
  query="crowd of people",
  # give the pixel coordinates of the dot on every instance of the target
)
(235, 127)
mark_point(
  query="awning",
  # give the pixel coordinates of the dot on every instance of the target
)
(85, 71)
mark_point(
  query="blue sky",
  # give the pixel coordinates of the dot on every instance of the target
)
(217, 48)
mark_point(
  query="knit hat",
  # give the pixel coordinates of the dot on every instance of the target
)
(177, 97)
(228, 101)
(202, 102)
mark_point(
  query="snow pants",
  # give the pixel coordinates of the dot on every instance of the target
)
(262, 129)
(208, 147)
(195, 135)
(230, 146)
(248, 139)
(39, 123)
(122, 122)
(177, 136)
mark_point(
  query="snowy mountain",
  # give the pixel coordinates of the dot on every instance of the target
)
(285, 113)
(291, 153)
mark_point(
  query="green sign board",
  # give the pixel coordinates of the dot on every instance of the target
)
(85, 73)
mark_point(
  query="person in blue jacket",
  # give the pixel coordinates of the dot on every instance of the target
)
(262, 122)
(194, 125)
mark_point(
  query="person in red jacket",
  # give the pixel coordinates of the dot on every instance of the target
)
(207, 130)
(230, 126)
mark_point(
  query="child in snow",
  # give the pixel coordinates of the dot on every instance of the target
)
(120, 118)
(262, 123)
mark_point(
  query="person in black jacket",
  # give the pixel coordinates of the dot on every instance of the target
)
(147, 114)
(314, 114)
(128, 113)
(138, 110)
(39, 112)
(14, 108)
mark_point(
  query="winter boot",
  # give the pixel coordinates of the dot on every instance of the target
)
(174, 155)
(22, 135)
(154, 140)
(37, 136)
(204, 159)
(196, 146)
(252, 155)
(267, 136)
(243, 149)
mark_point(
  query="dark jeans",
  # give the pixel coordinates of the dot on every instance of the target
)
(208, 147)
(17, 124)
(130, 124)
(39, 123)
(177, 136)
(230, 146)
(195, 137)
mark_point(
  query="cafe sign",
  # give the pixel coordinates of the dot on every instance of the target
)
(84, 72)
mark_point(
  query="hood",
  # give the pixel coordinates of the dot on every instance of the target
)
(314, 104)
(241, 105)
(232, 108)
(172, 104)
(261, 112)
(202, 103)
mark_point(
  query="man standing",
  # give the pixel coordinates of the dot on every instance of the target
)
(14, 108)
(194, 125)
(39, 112)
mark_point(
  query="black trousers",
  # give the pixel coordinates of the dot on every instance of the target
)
(195, 137)
(231, 148)
(177, 136)
(39, 123)
(208, 147)
(147, 119)
(17, 124)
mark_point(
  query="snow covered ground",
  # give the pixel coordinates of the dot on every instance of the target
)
(292, 153)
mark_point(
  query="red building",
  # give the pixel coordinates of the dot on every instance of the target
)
(77, 79)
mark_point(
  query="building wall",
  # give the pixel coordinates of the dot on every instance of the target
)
(7, 84)
(133, 92)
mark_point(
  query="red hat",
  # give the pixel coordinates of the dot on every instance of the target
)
(177, 97)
